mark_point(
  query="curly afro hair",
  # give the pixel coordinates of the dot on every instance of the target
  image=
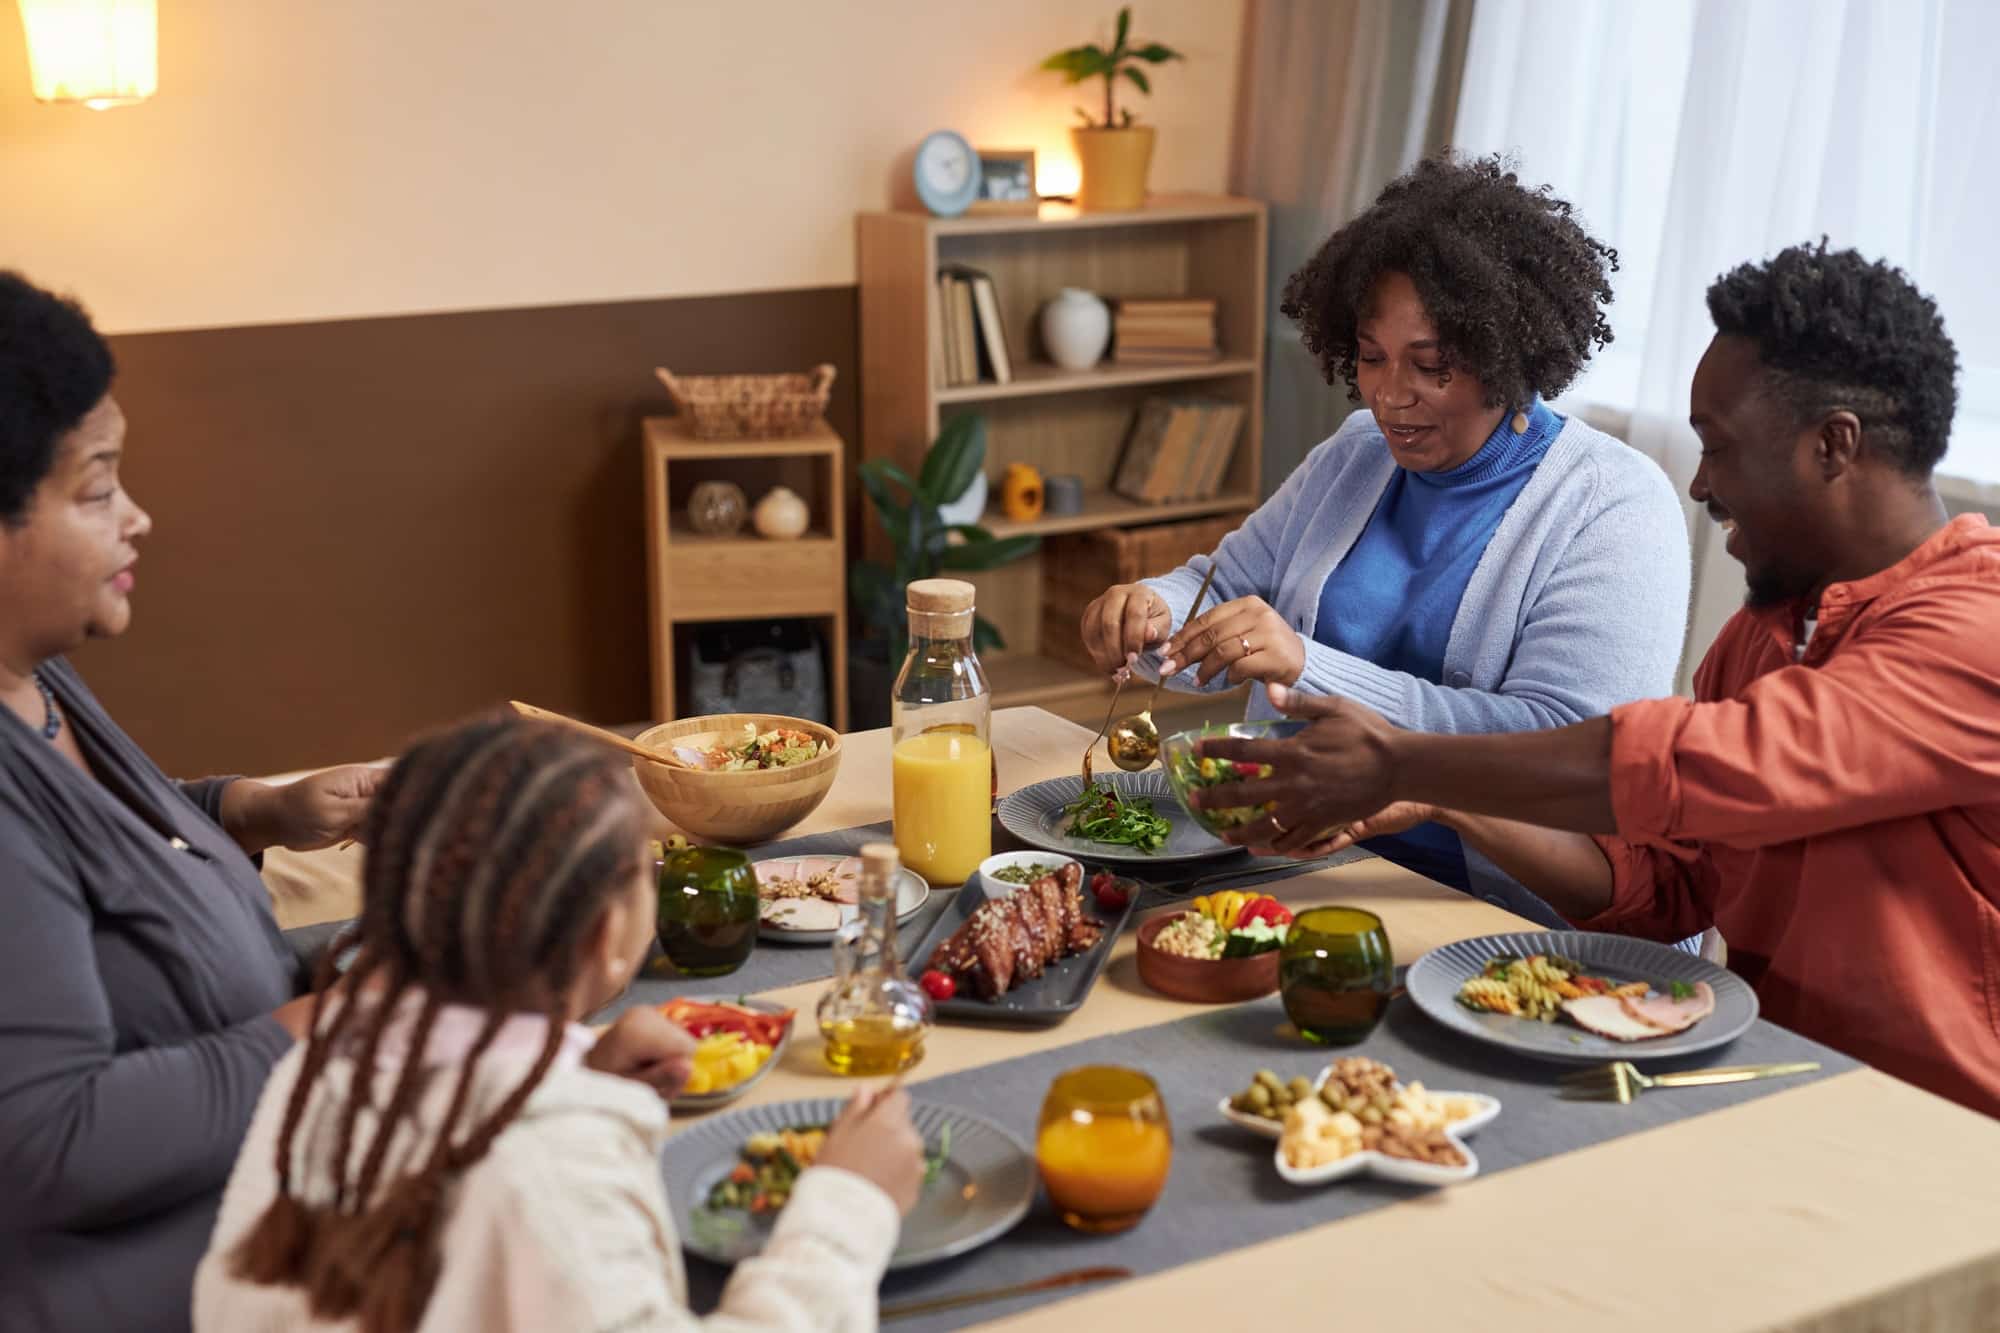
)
(1514, 284)
(53, 370)
(1837, 331)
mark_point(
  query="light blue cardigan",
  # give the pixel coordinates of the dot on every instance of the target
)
(1579, 604)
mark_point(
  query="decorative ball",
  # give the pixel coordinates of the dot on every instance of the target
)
(781, 515)
(718, 508)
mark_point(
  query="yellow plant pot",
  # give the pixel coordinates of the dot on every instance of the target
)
(1114, 165)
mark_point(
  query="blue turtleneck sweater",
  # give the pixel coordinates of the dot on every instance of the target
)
(1393, 599)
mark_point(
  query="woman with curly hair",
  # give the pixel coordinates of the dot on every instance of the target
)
(1458, 556)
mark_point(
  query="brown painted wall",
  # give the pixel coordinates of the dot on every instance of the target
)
(367, 527)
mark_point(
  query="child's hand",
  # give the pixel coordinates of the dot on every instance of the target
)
(643, 1044)
(875, 1140)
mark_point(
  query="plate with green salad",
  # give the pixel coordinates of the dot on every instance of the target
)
(1126, 818)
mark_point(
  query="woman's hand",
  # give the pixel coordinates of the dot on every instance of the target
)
(316, 811)
(875, 1140)
(646, 1046)
(1335, 773)
(1124, 622)
(1244, 638)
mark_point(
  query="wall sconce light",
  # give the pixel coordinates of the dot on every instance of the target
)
(102, 53)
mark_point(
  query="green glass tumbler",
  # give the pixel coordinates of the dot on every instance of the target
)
(1335, 974)
(708, 910)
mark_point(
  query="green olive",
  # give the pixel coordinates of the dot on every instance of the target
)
(1300, 1089)
(1260, 1097)
(1269, 1080)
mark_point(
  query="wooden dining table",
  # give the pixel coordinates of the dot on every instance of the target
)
(1855, 1202)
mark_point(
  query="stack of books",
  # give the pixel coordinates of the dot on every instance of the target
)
(1179, 449)
(972, 345)
(1156, 332)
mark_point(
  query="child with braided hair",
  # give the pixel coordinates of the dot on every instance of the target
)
(449, 1149)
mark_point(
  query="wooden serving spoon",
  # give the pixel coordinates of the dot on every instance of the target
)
(610, 738)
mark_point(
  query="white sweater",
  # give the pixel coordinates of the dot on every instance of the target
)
(564, 1224)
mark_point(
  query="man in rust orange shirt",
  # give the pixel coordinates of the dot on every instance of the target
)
(1830, 800)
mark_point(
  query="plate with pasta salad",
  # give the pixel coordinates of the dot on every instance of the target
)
(1577, 997)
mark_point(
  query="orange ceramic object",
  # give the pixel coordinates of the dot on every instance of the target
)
(1021, 493)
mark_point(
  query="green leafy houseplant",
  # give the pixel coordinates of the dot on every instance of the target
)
(907, 507)
(1092, 61)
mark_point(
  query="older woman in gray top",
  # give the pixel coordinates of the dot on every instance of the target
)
(145, 991)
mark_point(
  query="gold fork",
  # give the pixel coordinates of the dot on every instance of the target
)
(1620, 1081)
(1108, 715)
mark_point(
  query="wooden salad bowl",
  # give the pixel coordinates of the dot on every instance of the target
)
(1203, 980)
(735, 807)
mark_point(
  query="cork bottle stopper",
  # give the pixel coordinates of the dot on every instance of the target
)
(880, 860)
(944, 597)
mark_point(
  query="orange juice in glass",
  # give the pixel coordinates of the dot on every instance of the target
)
(942, 765)
(943, 785)
(1104, 1147)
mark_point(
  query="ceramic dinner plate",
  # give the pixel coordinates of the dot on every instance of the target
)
(1435, 978)
(704, 1101)
(983, 1188)
(912, 892)
(1035, 816)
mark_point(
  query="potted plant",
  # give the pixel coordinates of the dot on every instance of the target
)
(925, 546)
(1113, 154)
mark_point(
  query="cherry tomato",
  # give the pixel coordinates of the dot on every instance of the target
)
(938, 985)
(1110, 894)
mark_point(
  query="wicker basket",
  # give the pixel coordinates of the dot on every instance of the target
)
(741, 407)
(1080, 566)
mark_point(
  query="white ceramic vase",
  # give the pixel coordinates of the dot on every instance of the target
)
(1076, 328)
(969, 507)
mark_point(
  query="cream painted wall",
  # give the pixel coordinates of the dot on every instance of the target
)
(306, 160)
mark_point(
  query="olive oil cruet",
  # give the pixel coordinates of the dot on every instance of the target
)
(873, 1016)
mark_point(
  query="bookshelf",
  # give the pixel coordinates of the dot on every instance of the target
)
(1061, 421)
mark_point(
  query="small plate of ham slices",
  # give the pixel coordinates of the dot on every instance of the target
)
(1691, 1005)
(828, 889)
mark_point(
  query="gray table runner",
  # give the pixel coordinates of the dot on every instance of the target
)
(774, 966)
(1224, 1193)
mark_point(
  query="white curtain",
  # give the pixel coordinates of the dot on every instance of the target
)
(1696, 134)
(1336, 98)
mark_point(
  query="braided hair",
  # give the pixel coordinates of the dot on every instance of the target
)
(493, 849)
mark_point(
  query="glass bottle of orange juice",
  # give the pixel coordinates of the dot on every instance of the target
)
(942, 715)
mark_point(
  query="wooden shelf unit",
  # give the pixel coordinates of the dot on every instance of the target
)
(1061, 421)
(694, 578)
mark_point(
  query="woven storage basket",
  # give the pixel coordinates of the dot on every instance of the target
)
(740, 407)
(1080, 566)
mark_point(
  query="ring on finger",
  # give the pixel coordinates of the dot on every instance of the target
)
(1245, 641)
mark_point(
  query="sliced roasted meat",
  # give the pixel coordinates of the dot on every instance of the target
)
(1605, 1015)
(1668, 1015)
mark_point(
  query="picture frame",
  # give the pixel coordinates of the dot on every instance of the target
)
(1007, 182)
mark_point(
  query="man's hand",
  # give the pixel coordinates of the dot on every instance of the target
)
(643, 1044)
(1123, 622)
(316, 811)
(1334, 773)
(1245, 639)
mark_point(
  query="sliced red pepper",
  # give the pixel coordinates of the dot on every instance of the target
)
(704, 1020)
(1264, 908)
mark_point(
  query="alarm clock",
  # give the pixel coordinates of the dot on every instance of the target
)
(947, 173)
